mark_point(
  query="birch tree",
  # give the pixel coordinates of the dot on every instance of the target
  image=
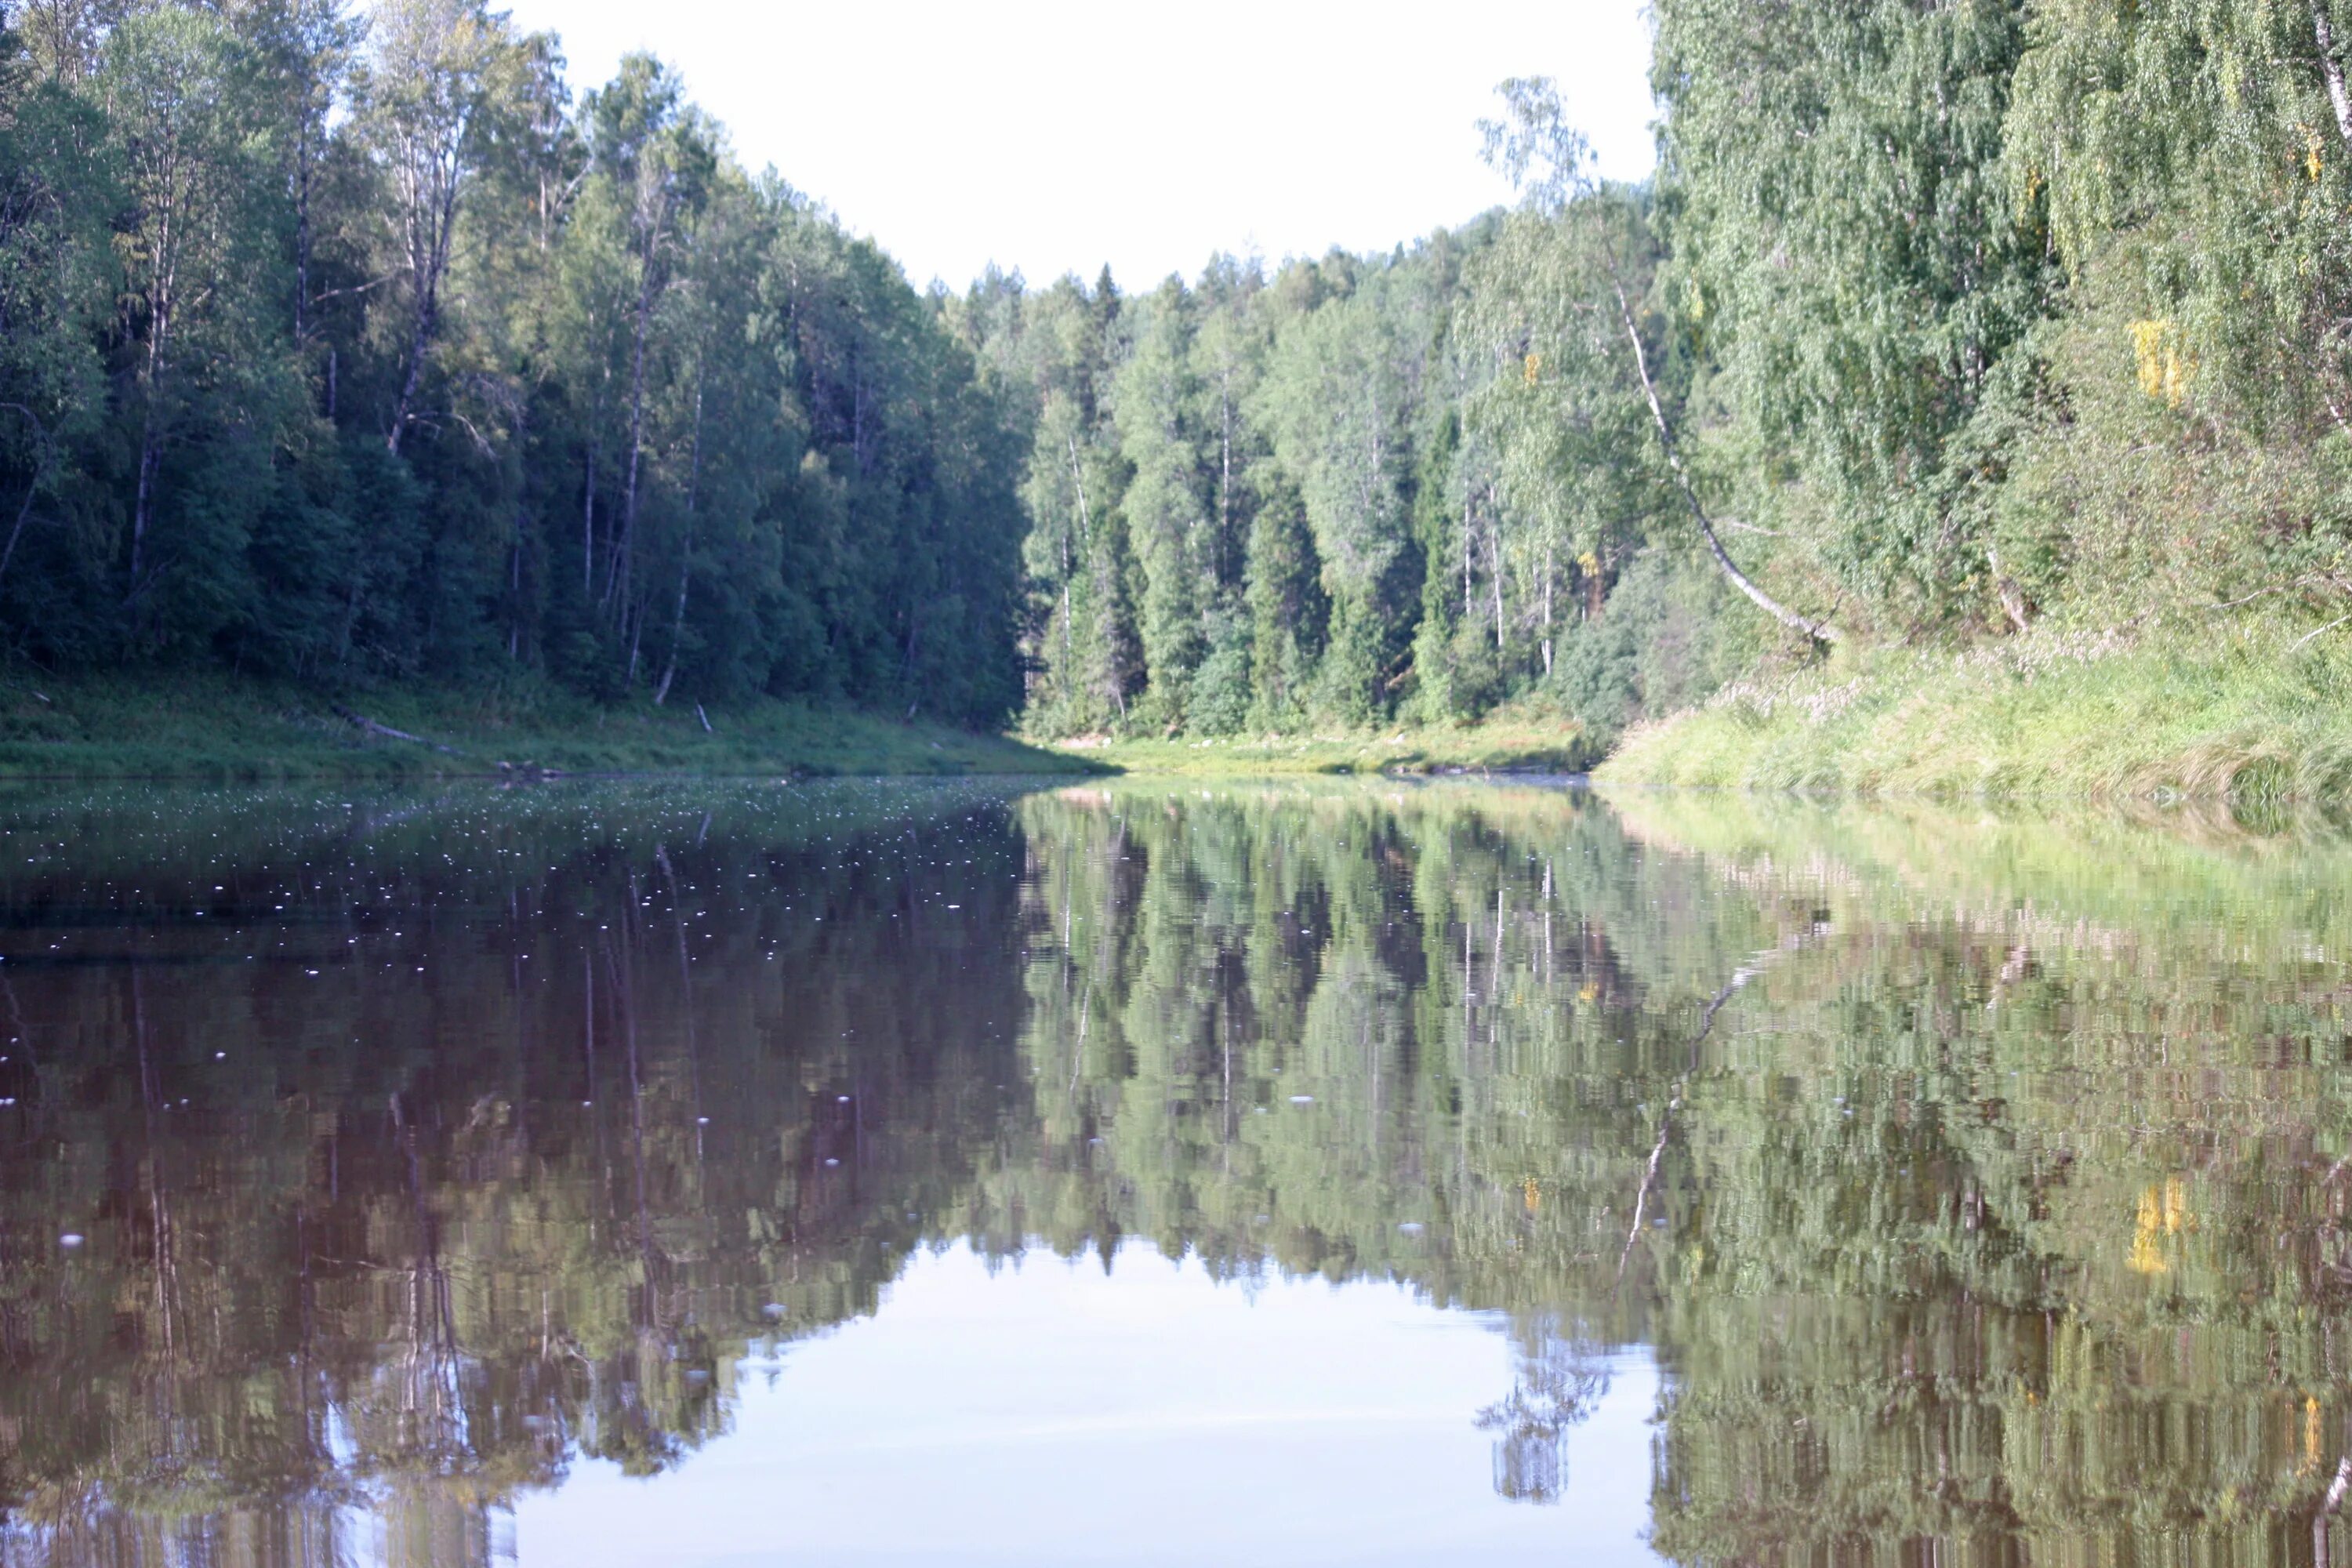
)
(1548, 160)
(1153, 399)
(428, 95)
(658, 160)
(176, 87)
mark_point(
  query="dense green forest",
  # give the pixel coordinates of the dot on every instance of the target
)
(348, 343)
(1935, 324)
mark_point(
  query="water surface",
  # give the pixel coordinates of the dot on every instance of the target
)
(1346, 1172)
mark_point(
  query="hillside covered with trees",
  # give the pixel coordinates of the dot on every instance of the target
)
(1940, 325)
(348, 344)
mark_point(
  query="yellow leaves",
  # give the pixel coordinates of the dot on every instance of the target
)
(2310, 1434)
(2165, 365)
(2163, 1213)
(2035, 184)
(1531, 1192)
(1588, 564)
(2148, 348)
(1532, 367)
(2312, 145)
(2146, 1258)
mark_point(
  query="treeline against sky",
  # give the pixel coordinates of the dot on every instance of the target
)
(347, 343)
(1958, 318)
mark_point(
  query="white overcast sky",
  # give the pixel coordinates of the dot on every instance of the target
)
(1055, 137)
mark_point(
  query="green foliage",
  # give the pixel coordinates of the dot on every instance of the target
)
(1335, 402)
(2191, 149)
(2027, 317)
(2179, 711)
(1671, 636)
(1365, 489)
(365, 355)
(1154, 402)
(373, 361)
(1847, 249)
(53, 286)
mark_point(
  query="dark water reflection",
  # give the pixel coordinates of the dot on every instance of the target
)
(1974, 1188)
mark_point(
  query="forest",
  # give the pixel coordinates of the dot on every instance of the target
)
(350, 345)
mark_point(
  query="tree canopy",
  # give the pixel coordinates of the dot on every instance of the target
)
(349, 345)
(346, 345)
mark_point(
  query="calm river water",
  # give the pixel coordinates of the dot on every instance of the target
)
(1298, 1174)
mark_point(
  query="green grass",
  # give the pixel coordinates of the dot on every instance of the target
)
(2238, 711)
(212, 726)
(1498, 746)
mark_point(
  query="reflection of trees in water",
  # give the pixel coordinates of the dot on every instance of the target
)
(1561, 1380)
(376, 1238)
(1945, 1227)
(2011, 1158)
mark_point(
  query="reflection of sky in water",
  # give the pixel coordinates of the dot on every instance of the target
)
(434, 1162)
(1050, 1413)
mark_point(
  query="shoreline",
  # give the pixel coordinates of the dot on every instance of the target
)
(217, 728)
(2245, 713)
(1497, 747)
(2252, 713)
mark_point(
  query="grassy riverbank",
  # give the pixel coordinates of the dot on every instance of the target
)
(1497, 746)
(203, 726)
(2246, 711)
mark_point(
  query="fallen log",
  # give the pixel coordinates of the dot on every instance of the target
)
(366, 725)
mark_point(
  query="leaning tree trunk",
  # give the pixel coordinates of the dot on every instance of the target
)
(420, 334)
(31, 485)
(1819, 630)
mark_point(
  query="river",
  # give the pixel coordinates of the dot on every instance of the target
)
(1315, 1171)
